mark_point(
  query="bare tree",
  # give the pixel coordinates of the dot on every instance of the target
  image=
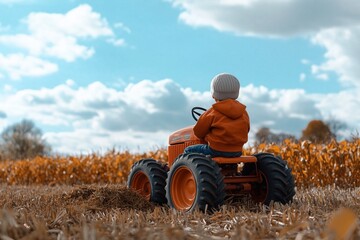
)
(23, 140)
(264, 135)
(336, 127)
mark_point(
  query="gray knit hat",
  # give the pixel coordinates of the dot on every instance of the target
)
(225, 86)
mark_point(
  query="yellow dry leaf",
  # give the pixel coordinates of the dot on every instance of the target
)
(342, 224)
(296, 227)
(274, 149)
(262, 146)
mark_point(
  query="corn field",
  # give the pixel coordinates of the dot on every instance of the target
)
(84, 197)
(336, 164)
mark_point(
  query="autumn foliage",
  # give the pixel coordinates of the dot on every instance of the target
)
(317, 165)
(317, 131)
(314, 165)
(113, 167)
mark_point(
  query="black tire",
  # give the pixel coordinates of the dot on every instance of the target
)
(204, 183)
(278, 183)
(291, 184)
(148, 177)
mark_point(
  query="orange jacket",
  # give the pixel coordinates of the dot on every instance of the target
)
(224, 126)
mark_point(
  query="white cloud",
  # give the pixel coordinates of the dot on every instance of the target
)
(60, 36)
(269, 17)
(332, 24)
(322, 76)
(100, 116)
(117, 42)
(8, 88)
(305, 61)
(70, 82)
(85, 141)
(302, 77)
(286, 110)
(18, 65)
(123, 27)
(342, 54)
(343, 105)
(142, 115)
(81, 21)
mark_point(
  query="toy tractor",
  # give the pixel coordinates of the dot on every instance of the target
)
(195, 181)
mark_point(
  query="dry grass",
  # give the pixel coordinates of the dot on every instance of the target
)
(113, 212)
(83, 197)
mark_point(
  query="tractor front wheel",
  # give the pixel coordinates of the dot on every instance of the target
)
(148, 178)
(195, 182)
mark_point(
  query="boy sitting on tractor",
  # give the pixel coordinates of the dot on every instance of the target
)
(200, 176)
(226, 124)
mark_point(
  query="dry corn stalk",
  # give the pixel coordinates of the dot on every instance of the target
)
(313, 165)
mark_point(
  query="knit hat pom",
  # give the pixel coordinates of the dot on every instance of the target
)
(225, 86)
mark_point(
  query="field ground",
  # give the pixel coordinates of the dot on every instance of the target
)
(113, 212)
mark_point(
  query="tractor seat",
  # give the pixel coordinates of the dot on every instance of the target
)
(241, 159)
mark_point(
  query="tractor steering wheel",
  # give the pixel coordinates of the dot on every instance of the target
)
(195, 112)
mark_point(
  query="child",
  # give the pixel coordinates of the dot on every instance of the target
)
(226, 124)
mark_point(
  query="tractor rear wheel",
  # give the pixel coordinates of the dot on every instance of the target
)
(195, 182)
(277, 183)
(291, 184)
(148, 178)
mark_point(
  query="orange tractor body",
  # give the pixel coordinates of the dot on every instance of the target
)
(185, 137)
(195, 181)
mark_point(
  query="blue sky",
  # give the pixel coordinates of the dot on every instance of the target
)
(125, 74)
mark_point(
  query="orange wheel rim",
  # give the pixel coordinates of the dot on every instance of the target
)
(183, 189)
(260, 194)
(141, 184)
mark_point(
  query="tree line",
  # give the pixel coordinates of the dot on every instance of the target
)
(316, 131)
(24, 140)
